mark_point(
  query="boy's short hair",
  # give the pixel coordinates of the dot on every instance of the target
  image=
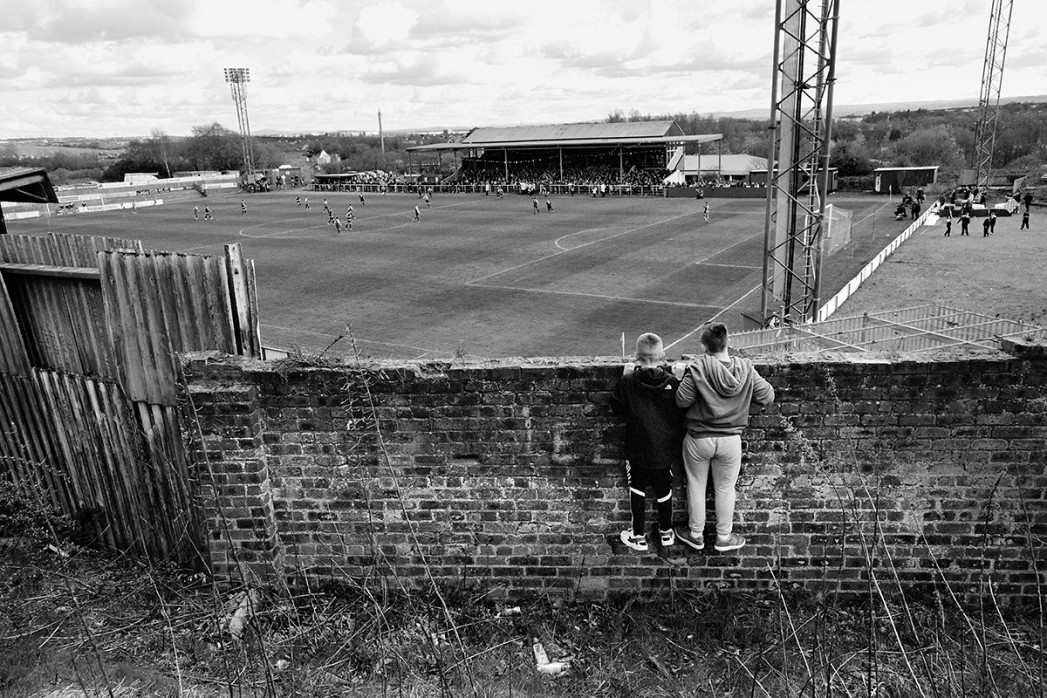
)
(649, 346)
(714, 337)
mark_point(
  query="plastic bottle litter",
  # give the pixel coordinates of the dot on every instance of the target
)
(542, 663)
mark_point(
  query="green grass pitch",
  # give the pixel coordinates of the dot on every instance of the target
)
(483, 277)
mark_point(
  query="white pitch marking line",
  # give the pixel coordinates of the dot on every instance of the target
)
(733, 244)
(584, 244)
(724, 310)
(732, 266)
(587, 230)
(589, 295)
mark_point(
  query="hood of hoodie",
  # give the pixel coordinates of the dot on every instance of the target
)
(726, 379)
(654, 378)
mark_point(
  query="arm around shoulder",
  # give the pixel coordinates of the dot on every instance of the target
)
(686, 394)
(763, 392)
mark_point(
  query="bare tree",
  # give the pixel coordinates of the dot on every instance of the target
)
(161, 140)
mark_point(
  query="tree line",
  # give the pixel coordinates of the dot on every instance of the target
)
(943, 137)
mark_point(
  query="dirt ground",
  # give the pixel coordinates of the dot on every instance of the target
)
(1001, 275)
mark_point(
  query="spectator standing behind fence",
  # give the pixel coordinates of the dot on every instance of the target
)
(717, 391)
(646, 398)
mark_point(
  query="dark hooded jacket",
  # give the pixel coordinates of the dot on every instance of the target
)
(646, 398)
(717, 395)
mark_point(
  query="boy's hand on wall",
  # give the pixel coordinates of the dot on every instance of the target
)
(679, 367)
(629, 368)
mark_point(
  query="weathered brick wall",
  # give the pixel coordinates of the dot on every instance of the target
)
(509, 476)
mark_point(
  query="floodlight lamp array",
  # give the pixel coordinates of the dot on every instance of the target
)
(237, 75)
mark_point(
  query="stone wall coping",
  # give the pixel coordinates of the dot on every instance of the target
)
(433, 368)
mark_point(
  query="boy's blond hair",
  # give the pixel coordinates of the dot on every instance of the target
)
(649, 346)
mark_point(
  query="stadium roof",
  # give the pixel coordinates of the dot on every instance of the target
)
(27, 185)
(557, 132)
(559, 135)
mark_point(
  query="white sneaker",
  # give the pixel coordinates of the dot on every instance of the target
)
(638, 543)
(668, 538)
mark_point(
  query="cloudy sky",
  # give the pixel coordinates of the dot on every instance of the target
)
(100, 68)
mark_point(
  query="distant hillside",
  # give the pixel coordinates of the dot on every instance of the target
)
(841, 110)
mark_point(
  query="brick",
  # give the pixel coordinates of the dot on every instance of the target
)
(512, 473)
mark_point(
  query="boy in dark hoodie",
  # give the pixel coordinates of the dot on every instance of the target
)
(716, 390)
(646, 398)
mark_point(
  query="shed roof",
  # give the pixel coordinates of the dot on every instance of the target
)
(27, 185)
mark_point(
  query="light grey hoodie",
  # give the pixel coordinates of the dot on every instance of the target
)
(717, 395)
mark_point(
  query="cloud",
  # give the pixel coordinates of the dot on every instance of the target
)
(422, 71)
(74, 22)
(457, 25)
(382, 26)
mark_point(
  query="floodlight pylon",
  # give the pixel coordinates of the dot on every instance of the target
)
(798, 166)
(238, 79)
(992, 81)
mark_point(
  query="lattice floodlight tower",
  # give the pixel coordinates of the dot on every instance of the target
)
(238, 79)
(798, 166)
(992, 80)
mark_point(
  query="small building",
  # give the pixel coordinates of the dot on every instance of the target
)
(137, 178)
(759, 178)
(729, 168)
(286, 176)
(892, 180)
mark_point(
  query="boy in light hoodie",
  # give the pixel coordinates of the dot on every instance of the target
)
(716, 391)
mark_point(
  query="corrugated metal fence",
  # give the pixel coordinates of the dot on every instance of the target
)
(90, 329)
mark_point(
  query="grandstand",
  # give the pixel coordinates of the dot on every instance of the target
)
(626, 155)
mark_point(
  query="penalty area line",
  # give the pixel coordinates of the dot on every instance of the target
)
(713, 318)
(579, 294)
(584, 244)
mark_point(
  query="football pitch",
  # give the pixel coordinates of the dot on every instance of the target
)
(479, 276)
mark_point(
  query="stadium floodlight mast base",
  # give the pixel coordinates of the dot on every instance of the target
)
(238, 79)
(798, 167)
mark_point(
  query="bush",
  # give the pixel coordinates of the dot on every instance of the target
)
(856, 183)
(26, 516)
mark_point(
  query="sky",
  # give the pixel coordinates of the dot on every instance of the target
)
(110, 68)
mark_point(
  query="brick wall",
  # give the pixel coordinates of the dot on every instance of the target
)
(509, 476)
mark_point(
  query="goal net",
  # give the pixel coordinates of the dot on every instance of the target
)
(837, 230)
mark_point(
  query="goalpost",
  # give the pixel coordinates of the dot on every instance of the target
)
(838, 228)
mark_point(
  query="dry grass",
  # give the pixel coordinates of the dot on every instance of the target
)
(92, 624)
